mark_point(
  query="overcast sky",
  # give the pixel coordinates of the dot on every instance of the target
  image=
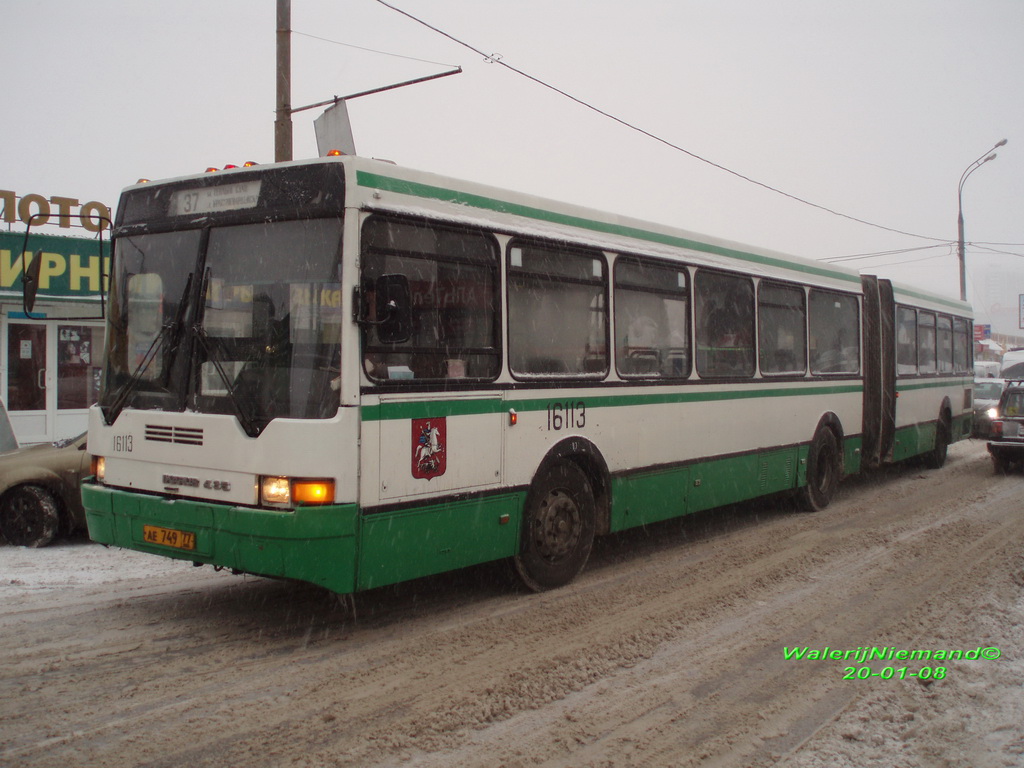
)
(872, 108)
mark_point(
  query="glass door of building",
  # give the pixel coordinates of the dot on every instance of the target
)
(27, 383)
(53, 373)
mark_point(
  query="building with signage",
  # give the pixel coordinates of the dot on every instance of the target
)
(50, 358)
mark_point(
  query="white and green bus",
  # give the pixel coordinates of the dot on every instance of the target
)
(349, 373)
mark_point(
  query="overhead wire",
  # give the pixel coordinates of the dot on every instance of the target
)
(985, 247)
(497, 59)
(877, 254)
(370, 50)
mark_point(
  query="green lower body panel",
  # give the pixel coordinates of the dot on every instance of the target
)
(409, 543)
(314, 544)
(913, 441)
(851, 456)
(649, 497)
(920, 438)
(336, 547)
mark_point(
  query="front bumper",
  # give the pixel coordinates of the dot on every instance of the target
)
(316, 544)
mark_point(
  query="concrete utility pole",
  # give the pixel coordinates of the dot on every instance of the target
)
(283, 123)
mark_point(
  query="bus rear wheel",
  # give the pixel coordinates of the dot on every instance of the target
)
(823, 472)
(935, 458)
(558, 527)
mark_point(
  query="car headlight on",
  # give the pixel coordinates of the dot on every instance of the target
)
(992, 413)
(98, 466)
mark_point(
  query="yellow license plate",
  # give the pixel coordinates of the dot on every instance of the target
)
(168, 537)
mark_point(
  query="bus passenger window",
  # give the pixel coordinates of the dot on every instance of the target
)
(834, 338)
(781, 329)
(926, 342)
(453, 283)
(724, 325)
(944, 339)
(652, 335)
(961, 345)
(556, 311)
(906, 341)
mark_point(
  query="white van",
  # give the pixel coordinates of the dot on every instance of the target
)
(1013, 364)
(986, 369)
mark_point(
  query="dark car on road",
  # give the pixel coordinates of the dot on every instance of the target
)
(39, 491)
(1006, 439)
(986, 400)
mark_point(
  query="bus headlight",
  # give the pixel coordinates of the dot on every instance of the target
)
(99, 468)
(275, 490)
(288, 491)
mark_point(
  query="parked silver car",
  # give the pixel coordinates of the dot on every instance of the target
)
(39, 491)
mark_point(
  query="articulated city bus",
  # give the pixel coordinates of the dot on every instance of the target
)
(353, 374)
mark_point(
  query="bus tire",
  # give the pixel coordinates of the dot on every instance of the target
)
(936, 457)
(29, 516)
(559, 521)
(824, 470)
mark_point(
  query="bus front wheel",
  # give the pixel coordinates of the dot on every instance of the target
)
(823, 471)
(559, 521)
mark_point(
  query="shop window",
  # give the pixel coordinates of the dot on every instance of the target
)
(79, 357)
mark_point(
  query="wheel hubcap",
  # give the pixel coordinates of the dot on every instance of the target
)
(557, 527)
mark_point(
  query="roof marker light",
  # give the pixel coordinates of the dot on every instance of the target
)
(334, 153)
(211, 169)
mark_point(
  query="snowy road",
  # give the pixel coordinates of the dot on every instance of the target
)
(669, 650)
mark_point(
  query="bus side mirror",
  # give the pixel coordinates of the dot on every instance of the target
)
(33, 269)
(30, 281)
(393, 308)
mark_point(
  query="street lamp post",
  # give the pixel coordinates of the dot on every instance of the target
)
(989, 155)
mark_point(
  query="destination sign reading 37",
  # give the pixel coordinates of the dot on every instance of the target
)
(224, 197)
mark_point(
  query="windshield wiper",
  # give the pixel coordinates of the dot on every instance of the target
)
(175, 334)
(248, 420)
(172, 332)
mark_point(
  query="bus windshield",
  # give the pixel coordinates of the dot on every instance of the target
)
(235, 319)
